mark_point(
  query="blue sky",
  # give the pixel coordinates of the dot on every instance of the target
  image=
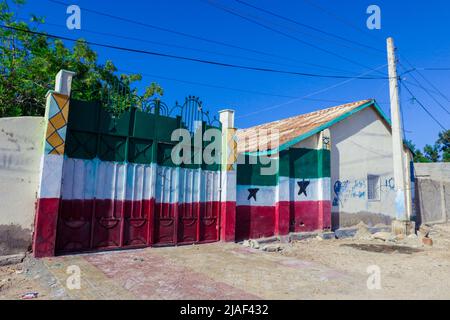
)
(420, 30)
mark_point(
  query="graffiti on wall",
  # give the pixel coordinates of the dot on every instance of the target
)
(345, 190)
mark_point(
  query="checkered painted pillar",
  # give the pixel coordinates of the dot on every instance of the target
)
(228, 177)
(49, 193)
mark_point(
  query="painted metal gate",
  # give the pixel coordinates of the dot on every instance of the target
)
(120, 187)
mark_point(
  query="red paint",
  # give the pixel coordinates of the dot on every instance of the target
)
(254, 222)
(228, 221)
(282, 218)
(310, 216)
(45, 227)
(107, 224)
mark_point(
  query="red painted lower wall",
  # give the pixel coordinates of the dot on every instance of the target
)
(45, 227)
(310, 216)
(105, 224)
(254, 222)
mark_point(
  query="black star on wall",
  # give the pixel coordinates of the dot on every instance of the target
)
(252, 193)
(303, 185)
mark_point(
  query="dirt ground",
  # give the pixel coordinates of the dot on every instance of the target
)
(307, 269)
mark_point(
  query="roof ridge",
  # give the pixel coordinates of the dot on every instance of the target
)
(356, 103)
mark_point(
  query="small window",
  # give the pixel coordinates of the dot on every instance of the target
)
(373, 187)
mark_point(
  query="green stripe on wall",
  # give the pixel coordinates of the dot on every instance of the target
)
(305, 163)
(250, 174)
(293, 163)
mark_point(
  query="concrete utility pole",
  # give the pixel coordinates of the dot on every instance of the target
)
(402, 218)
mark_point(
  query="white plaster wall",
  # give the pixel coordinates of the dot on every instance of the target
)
(361, 145)
(21, 147)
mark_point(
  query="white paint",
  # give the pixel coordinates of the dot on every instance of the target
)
(52, 172)
(265, 197)
(289, 189)
(95, 179)
(63, 82)
(21, 147)
(362, 145)
(227, 118)
(228, 186)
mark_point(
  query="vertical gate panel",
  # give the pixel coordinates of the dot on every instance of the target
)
(165, 206)
(210, 206)
(189, 205)
(108, 211)
(75, 217)
(138, 205)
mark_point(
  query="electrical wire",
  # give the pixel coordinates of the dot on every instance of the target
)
(179, 33)
(198, 60)
(186, 48)
(423, 107)
(309, 26)
(308, 95)
(233, 12)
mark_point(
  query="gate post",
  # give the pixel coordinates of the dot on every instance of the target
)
(49, 192)
(228, 177)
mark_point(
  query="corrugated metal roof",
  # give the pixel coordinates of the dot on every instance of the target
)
(291, 128)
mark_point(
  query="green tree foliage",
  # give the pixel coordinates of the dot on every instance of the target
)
(439, 152)
(418, 155)
(29, 63)
(444, 145)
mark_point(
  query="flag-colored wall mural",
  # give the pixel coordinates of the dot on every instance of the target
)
(295, 198)
(111, 183)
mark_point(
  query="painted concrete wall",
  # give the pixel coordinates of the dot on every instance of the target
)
(21, 144)
(361, 145)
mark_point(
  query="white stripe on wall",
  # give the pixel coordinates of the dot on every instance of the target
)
(317, 189)
(50, 186)
(266, 196)
(89, 179)
(287, 190)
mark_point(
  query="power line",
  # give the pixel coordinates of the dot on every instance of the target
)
(308, 26)
(209, 85)
(427, 81)
(179, 33)
(308, 95)
(434, 69)
(182, 47)
(342, 20)
(423, 107)
(233, 12)
(418, 86)
(429, 94)
(203, 61)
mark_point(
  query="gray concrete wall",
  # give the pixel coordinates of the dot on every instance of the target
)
(432, 192)
(433, 171)
(21, 143)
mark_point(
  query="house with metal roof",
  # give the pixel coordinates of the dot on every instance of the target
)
(327, 169)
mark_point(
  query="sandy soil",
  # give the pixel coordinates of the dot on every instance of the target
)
(307, 269)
